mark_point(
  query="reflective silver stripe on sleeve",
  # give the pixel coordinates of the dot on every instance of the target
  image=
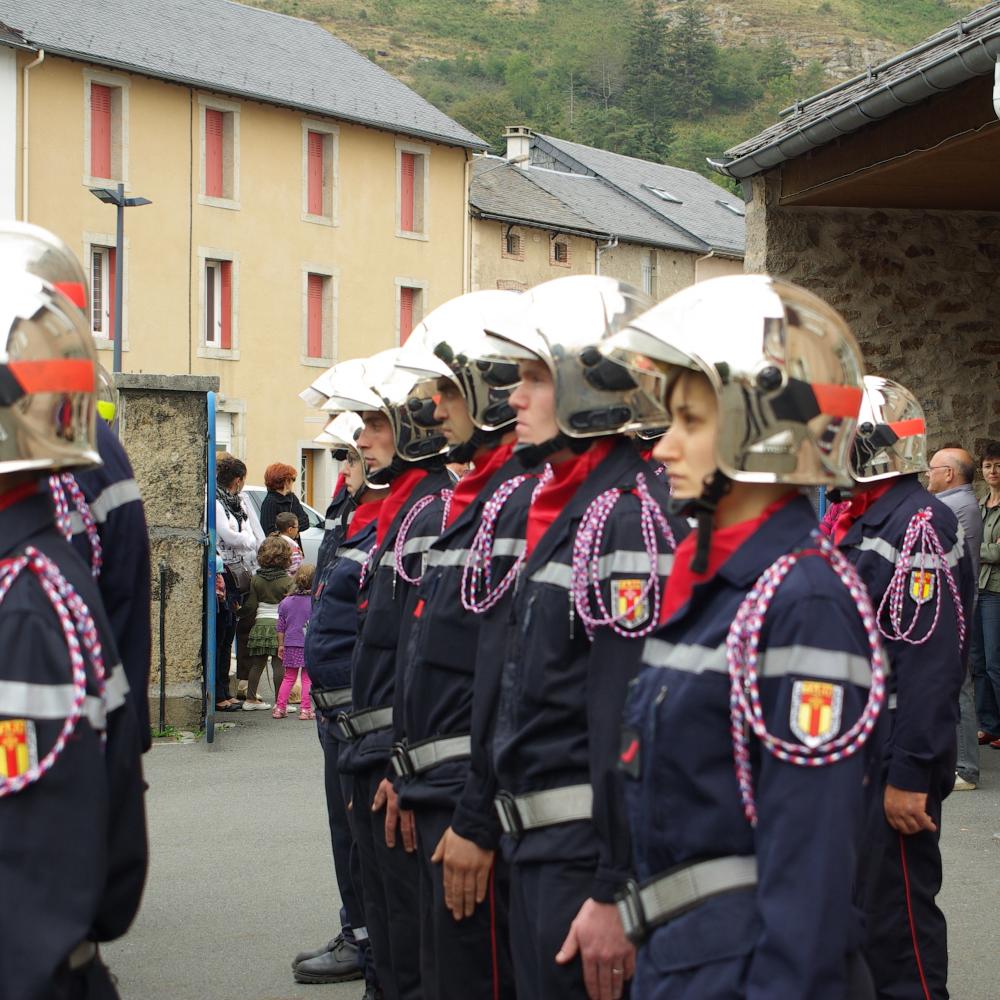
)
(690, 658)
(920, 561)
(355, 555)
(111, 498)
(55, 701)
(421, 543)
(561, 575)
(558, 574)
(329, 523)
(809, 661)
(447, 557)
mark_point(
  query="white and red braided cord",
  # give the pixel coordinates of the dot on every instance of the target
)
(59, 487)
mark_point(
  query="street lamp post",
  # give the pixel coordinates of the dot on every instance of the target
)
(111, 196)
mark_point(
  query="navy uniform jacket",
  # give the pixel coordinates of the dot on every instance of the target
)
(333, 623)
(73, 844)
(925, 679)
(684, 801)
(442, 661)
(116, 504)
(559, 714)
(338, 515)
(381, 603)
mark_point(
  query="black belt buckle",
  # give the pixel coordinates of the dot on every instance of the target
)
(401, 762)
(631, 911)
(510, 817)
(346, 725)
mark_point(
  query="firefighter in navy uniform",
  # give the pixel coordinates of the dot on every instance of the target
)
(598, 547)
(463, 889)
(400, 444)
(909, 550)
(105, 516)
(330, 638)
(767, 659)
(69, 741)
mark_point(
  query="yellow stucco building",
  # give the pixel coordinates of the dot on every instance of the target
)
(306, 206)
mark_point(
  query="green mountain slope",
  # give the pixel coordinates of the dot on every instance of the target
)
(673, 80)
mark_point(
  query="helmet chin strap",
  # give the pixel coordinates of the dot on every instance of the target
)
(384, 477)
(465, 451)
(702, 508)
(530, 455)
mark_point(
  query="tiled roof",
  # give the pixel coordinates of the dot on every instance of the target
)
(234, 49)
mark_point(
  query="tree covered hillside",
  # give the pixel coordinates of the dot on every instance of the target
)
(673, 80)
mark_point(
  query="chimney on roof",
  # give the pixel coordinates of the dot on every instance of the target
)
(518, 143)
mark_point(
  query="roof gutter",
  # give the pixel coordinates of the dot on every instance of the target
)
(976, 58)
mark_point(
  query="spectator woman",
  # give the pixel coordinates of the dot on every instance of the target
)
(270, 585)
(279, 478)
(984, 650)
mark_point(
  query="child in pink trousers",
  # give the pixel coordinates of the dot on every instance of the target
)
(293, 617)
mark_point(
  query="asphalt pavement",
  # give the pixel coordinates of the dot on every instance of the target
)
(241, 877)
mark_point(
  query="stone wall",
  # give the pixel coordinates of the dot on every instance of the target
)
(920, 289)
(163, 425)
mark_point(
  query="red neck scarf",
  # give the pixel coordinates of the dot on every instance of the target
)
(567, 478)
(338, 485)
(18, 493)
(472, 483)
(725, 542)
(860, 502)
(399, 492)
(363, 515)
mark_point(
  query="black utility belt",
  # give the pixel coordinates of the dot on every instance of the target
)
(330, 698)
(663, 897)
(353, 725)
(534, 810)
(410, 760)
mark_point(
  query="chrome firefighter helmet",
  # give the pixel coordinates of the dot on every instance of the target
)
(26, 247)
(451, 342)
(784, 366)
(341, 435)
(891, 438)
(563, 323)
(47, 379)
(404, 398)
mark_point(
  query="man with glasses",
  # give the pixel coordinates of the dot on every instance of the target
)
(949, 477)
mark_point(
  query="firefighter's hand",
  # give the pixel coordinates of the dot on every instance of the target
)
(385, 795)
(466, 872)
(907, 811)
(607, 955)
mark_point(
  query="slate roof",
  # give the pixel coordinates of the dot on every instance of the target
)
(967, 48)
(230, 48)
(600, 194)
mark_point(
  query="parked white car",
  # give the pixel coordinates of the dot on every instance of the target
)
(310, 538)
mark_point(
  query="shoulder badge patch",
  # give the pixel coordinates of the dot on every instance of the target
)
(922, 585)
(816, 711)
(18, 747)
(631, 606)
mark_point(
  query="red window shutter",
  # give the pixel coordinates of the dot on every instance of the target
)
(408, 164)
(227, 304)
(314, 317)
(315, 173)
(112, 274)
(405, 313)
(214, 126)
(100, 130)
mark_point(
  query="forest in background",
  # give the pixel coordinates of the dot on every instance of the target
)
(668, 80)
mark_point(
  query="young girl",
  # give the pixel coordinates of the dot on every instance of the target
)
(293, 617)
(269, 585)
(286, 526)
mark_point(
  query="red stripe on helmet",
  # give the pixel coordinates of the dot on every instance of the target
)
(837, 400)
(74, 291)
(69, 375)
(908, 428)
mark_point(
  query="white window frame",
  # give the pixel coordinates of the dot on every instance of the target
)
(92, 241)
(331, 313)
(123, 84)
(420, 149)
(331, 179)
(226, 107)
(206, 349)
(421, 285)
(237, 410)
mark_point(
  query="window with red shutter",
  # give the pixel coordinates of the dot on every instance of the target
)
(314, 316)
(214, 136)
(406, 301)
(102, 297)
(408, 166)
(100, 130)
(226, 305)
(315, 172)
